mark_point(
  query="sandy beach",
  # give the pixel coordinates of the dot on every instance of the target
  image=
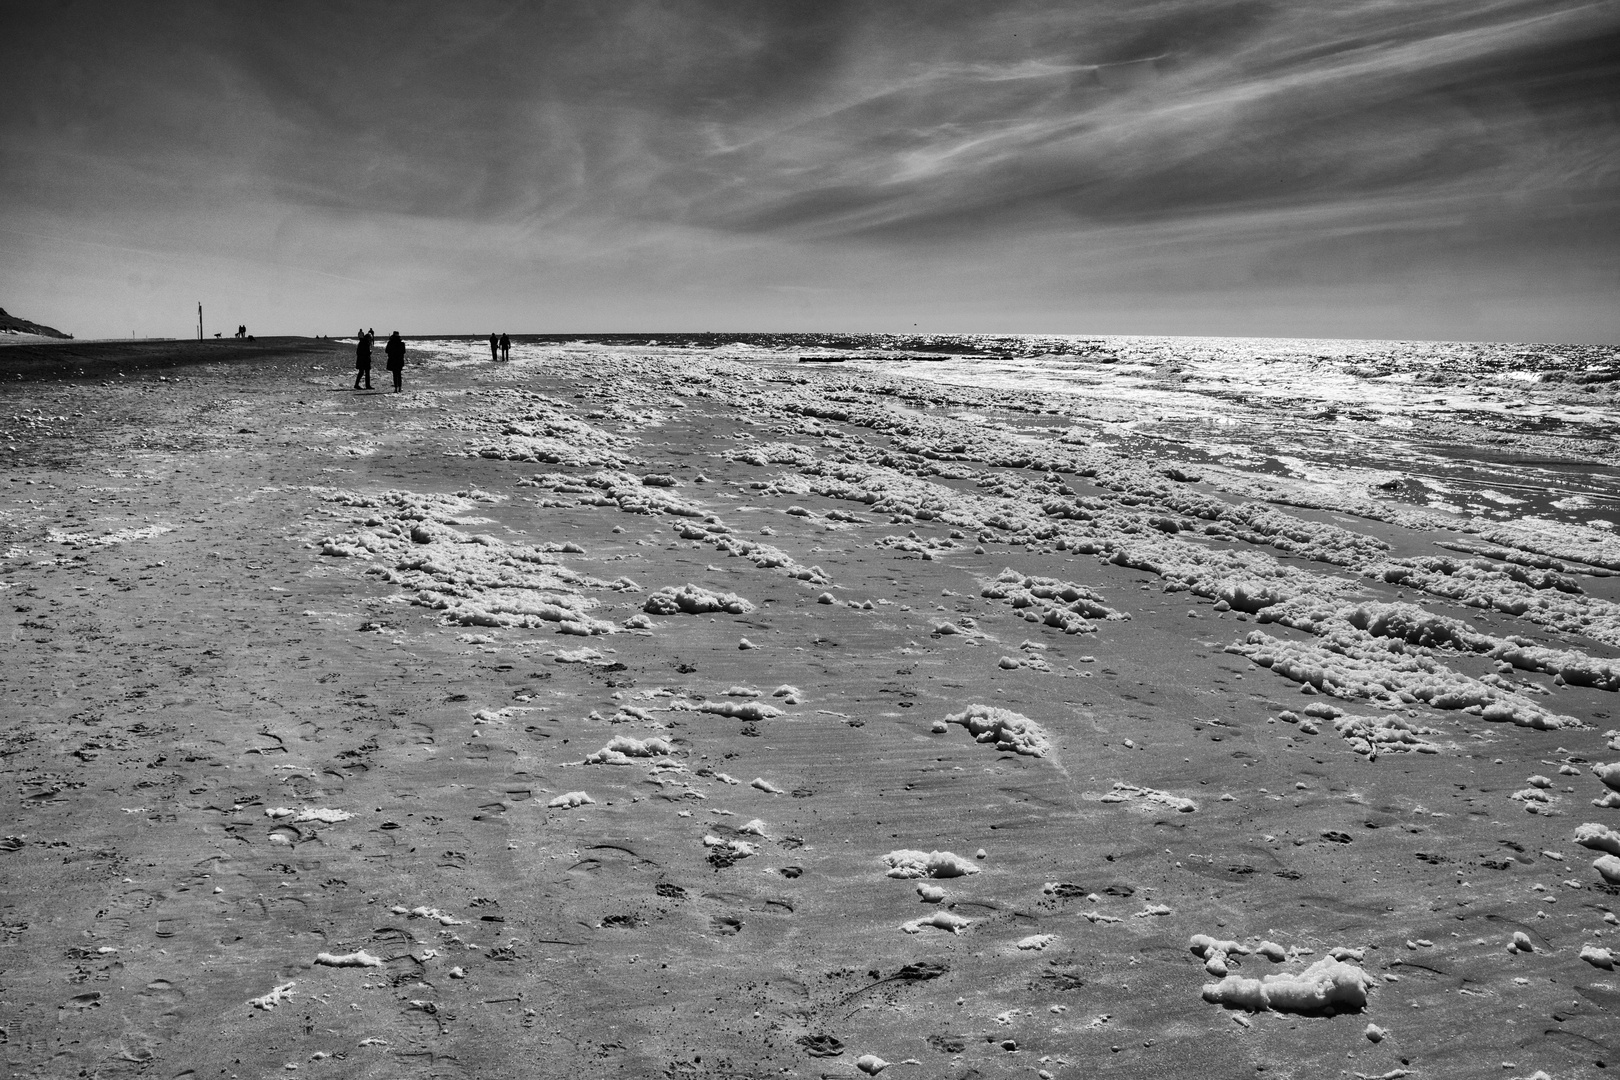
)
(660, 708)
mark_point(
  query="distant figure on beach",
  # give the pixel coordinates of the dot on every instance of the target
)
(493, 347)
(506, 347)
(362, 358)
(396, 358)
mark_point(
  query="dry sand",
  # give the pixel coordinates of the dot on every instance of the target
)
(302, 686)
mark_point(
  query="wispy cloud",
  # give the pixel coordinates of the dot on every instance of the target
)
(1313, 134)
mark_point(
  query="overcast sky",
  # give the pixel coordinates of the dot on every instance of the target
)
(1334, 168)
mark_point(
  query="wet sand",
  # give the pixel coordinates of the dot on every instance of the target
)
(575, 717)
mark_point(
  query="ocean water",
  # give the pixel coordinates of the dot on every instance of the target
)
(1497, 431)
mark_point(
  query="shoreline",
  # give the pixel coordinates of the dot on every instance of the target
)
(778, 593)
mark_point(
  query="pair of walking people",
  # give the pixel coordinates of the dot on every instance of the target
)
(394, 349)
(503, 346)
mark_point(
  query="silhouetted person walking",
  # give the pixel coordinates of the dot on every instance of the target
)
(396, 358)
(362, 359)
(493, 348)
(506, 347)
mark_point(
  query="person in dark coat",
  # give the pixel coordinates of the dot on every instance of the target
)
(506, 347)
(395, 349)
(492, 348)
(362, 358)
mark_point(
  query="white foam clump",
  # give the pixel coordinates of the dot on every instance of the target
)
(539, 430)
(275, 997)
(1598, 838)
(1608, 867)
(622, 748)
(1214, 952)
(1598, 957)
(1062, 605)
(741, 710)
(358, 958)
(474, 580)
(425, 912)
(691, 600)
(569, 800)
(1352, 670)
(740, 848)
(941, 920)
(1271, 951)
(1006, 729)
(1122, 791)
(85, 539)
(1326, 984)
(314, 813)
(1373, 735)
(909, 863)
